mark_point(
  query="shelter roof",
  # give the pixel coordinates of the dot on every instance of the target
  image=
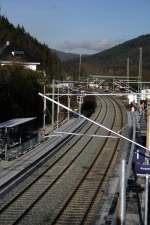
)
(16, 122)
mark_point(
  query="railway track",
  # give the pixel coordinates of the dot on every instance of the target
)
(11, 197)
(80, 207)
(56, 193)
(55, 151)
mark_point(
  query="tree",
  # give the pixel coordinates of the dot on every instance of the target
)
(19, 93)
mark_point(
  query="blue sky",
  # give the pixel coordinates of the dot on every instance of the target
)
(80, 26)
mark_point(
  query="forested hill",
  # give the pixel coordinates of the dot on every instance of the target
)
(113, 61)
(19, 87)
(34, 50)
(65, 56)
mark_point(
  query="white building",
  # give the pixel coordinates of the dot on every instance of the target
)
(145, 94)
(26, 65)
(11, 56)
(64, 85)
(93, 85)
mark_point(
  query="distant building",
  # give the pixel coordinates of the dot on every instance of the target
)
(93, 85)
(64, 85)
(145, 94)
(15, 53)
(10, 55)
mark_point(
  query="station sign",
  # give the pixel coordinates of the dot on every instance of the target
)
(142, 169)
(139, 155)
(139, 160)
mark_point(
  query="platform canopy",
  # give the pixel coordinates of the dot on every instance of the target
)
(15, 122)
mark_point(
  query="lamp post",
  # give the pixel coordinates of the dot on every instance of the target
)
(58, 108)
(80, 67)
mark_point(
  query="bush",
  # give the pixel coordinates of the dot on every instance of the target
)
(89, 105)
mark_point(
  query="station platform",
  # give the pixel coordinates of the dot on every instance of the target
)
(135, 194)
(13, 169)
(109, 206)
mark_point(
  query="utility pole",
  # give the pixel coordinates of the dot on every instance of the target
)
(6, 143)
(68, 104)
(87, 83)
(123, 192)
(80, 67)
(44, 105)
(58, 108)
(140, 71)
(80, 102)
(147, 161)
(128, 72)
(113, 85)
(53, 96)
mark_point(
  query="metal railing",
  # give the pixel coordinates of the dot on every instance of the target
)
(21, 149)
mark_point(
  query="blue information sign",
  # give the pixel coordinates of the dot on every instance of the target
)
(142, 169)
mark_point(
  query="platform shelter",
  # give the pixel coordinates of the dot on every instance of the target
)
(15, 133)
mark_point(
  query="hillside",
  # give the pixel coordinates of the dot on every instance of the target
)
(65, 56)
(113, 61)
(108, 62)
(34, 51)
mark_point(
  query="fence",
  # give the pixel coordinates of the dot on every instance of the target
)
(21, 149)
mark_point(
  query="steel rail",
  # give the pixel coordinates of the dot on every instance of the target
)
(56, 149)
(30, 185)
(79, 189)
(50, 185)
(11, 182)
